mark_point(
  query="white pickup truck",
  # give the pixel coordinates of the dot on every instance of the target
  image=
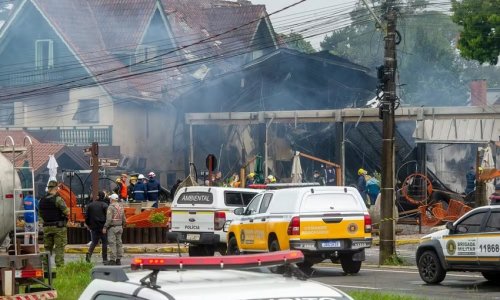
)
(199, 213)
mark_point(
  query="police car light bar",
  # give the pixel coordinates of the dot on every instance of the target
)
(217, 262)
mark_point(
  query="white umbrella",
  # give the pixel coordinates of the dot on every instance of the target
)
(488, 163)
(52, 166)
(296, 169)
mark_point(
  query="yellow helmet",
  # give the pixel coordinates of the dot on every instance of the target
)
(361, 171)
(271, 178)
(118, 179)
(251, 175)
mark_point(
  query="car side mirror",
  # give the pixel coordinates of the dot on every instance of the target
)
(449, 225)
(239, 211)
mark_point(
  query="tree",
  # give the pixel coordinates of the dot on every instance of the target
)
(430, 72)
(297, 42)
(480, 35)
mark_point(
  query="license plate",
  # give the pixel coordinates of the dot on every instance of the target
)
(192, 237)
(330, 244)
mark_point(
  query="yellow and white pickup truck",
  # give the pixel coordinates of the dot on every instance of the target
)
(324, 222)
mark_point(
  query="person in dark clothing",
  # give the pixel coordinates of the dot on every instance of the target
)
(153, 190)
(318, 178)
(470, 178)
(140, 190)
(174, 188)
(362, 183)
(95, 218)
(330, 176)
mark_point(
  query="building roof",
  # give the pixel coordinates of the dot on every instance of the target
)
(96, 30)
(464, 131)
(18, 136)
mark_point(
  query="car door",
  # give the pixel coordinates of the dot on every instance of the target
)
(247, 226)
(260, 222)
(488, 241)
(460, 246)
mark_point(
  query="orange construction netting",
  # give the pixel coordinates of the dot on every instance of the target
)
(144, 219)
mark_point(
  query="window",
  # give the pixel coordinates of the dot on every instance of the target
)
(237, 198)
(147, 54)
(266, 200)
(493, 223)
(472, 224)
(253, 207)
(233, 199)
(44, 54)
(247, 197)
(6, 113)
(88, 111)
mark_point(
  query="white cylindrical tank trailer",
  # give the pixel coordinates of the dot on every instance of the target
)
(7, 200)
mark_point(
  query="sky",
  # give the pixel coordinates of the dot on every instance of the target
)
(274, 5)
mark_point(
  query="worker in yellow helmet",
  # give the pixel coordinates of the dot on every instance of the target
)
(362, 183)
(250, 179)
(270, 179)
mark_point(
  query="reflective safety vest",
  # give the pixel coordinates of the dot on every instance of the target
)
(117, 213)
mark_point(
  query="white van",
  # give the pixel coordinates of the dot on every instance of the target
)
(199, 213)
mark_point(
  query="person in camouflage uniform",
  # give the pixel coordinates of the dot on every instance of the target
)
(115, 221)
(54, 214)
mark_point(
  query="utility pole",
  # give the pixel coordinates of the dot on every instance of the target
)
(387, 234)
(95, 171)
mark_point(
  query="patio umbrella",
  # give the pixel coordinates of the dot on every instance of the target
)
(52, 166)
(296, 169)
(488, 164)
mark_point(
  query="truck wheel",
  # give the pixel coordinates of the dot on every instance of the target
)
(348, 265)
(201, 250)
(232, 247)
(222, 249)
(275, 246)
(195, 250)
(491, 276)
(430, 269)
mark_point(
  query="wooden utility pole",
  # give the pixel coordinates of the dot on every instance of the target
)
(387, 233)
(95, 171)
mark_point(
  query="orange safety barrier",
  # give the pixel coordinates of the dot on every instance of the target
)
(65, 194)
(143, 219)
(77, 214)
(129, 211)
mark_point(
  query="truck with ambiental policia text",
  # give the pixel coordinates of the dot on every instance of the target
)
(198, 215)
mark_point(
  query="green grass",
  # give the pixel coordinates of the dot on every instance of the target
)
(395, 260)
(379, 296)
(72, 279)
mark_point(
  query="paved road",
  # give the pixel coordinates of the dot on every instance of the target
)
(456, 286)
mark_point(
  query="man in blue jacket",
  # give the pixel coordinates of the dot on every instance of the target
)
(153, 190)
(30, 218)
(140, 190)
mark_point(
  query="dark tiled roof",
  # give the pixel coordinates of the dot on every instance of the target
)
(95, 29)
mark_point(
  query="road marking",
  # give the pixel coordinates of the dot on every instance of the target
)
(354, 287)
(404, 272)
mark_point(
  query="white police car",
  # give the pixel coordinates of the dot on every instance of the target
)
(208, 278)
(472, 243)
